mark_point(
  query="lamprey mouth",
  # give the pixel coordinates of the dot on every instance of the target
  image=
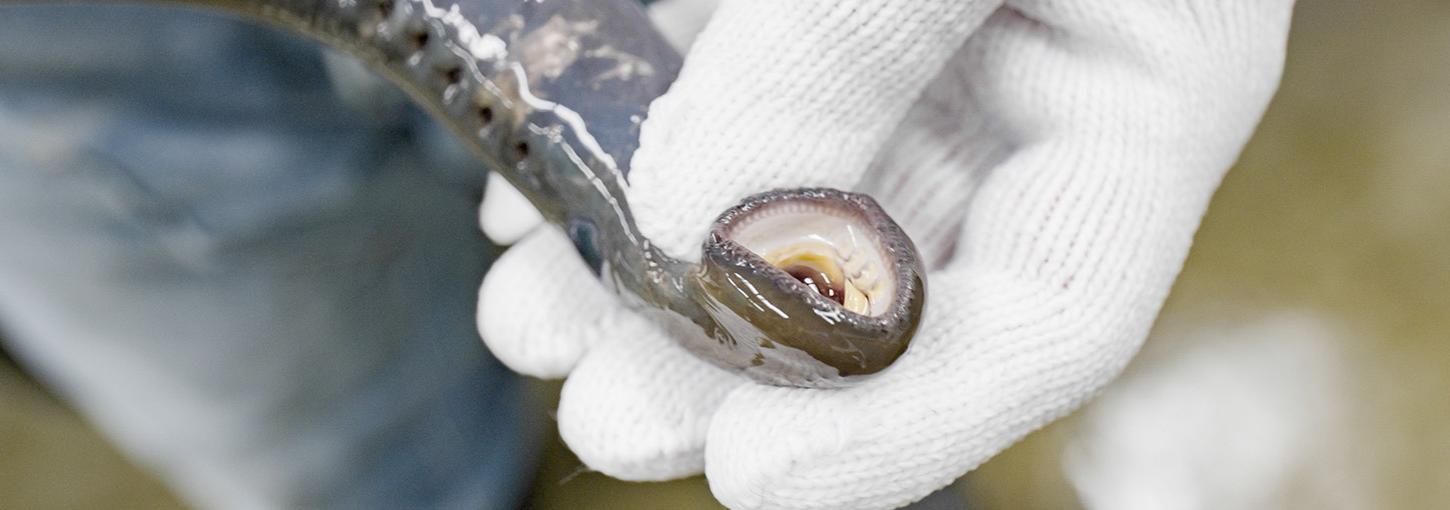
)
(830, 245)
(822, 280)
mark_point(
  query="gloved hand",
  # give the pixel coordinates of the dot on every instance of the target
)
(1051, 159)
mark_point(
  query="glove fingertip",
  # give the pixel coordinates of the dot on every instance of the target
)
(538, 306)
(757, 440)
(638, 407)
(505, 215)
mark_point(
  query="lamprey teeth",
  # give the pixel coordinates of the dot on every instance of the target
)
(811, 281)
(829, 248)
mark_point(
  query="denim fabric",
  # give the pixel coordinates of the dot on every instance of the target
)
(258, 280)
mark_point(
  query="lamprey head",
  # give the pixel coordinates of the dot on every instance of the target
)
(820, 286)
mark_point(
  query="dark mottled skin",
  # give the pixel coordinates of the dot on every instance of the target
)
(561, 124)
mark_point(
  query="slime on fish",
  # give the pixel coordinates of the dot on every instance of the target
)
(804, 287)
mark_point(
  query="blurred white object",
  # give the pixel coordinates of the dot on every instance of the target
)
(506, 215)
(1246, 417)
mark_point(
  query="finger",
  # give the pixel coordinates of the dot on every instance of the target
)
(1066, 256)
(984, 103)
(638, 406)
(785, 94)
(505, 215)
(1117, 153)
(539, 307)
(993, 360)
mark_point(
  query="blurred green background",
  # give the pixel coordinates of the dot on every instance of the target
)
(1319, 285)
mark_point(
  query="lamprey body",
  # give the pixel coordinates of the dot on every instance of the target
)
(813, 288)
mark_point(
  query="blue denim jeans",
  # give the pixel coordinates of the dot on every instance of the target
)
(252, 266)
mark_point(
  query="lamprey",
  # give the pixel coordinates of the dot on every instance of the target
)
(806, 287)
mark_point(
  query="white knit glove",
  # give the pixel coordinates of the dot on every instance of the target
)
(1051, 159)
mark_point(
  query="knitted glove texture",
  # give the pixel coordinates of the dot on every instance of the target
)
(1052, 159)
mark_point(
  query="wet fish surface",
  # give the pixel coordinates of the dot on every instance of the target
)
(808, 287)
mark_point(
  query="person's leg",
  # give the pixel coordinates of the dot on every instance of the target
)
(256, 291)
